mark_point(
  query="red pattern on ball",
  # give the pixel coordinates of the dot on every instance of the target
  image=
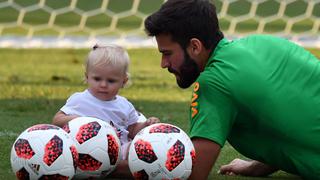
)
(175, 155)
(53, 177)
(164, 128)
(75, 156)
(53, 150)
(140, 175)
(42, 127)
(145, 151)
(88, 163)
(23, 149)
(66, 128)
(88, 131)
(193, 156)
(22, 174)
(113, 149)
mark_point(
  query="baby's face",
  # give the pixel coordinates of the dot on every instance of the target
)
(105, 81)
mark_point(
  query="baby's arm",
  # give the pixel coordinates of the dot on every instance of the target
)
(136, 127)
(61, 118)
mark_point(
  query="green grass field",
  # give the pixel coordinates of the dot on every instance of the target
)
(36, 82)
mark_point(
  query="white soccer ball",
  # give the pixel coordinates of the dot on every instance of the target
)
(98, 146)
(161, 151)
(44, 151)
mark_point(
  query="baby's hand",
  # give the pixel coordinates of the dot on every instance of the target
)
(152, 120)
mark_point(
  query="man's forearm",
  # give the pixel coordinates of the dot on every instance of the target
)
(261, 169)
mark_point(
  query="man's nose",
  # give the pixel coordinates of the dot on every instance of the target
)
(164, 63)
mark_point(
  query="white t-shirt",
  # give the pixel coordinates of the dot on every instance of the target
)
(119, 112)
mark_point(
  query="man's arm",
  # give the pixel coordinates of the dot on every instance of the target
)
(206, 154)
(247, 168)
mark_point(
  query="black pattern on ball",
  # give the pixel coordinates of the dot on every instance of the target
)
(23, 149)
(145, 151)
(140, 175)
(42, 127)
(175, 155)
(164, 128)
(53, 149)
(88, 131)
(22, 174)
(88, 163)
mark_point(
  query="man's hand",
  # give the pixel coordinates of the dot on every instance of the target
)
(246, 168)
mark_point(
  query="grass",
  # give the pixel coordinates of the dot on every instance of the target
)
(36, 82)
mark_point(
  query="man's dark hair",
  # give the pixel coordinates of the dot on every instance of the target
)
(186, 19)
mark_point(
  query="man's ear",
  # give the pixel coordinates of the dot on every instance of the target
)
(195, 47)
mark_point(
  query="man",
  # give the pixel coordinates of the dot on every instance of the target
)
(260, 93)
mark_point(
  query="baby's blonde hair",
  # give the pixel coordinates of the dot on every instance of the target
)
(108, 55)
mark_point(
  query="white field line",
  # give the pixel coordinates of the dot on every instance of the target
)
(73, 42)
(127, 42)
(6, 133)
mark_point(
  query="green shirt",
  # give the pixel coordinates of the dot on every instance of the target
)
(262, 94)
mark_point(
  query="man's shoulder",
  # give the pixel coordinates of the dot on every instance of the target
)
(256, 41)
(248, 48)
(261, 37)
(263, 41)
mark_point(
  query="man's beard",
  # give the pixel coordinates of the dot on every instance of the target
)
(189, 72)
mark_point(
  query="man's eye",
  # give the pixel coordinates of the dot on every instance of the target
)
(166, 54)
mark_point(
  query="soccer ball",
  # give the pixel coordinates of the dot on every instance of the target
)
(98, 146)
(161, 151)
(44, 151)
